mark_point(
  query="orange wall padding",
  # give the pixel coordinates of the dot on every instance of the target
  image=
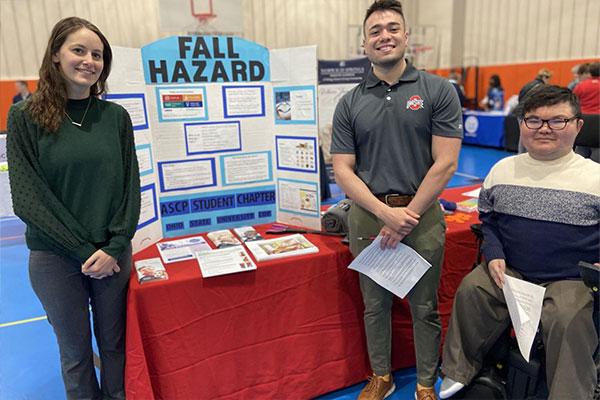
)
(7, 92)
(514, 76)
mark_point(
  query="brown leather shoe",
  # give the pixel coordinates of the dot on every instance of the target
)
(425, 394)
(378, 388)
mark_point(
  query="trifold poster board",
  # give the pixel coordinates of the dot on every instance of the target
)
(336, 78)
(226, 133)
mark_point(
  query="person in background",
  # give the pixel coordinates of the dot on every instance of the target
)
(588, 90)
(575, 80)
(22, 91)
(540, 214)
(455, 80)
(583, 72)
(74, 181)
(396, 140)
(494, 100)
(542, 78)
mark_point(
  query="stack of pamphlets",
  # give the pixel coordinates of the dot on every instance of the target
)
(150, 270)
(284, 246)
(224, 261)
(223, 239)
(182, 249)
(247, 234)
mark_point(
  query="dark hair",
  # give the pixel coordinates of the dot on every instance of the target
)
(47, 105)
(24, 83)
(495, 81)
(384, 5)
(594, 69)
(548, 95)
(583, 68)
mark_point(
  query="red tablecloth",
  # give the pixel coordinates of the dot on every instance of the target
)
(292, 329)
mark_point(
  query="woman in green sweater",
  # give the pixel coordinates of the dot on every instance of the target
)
(75, 182)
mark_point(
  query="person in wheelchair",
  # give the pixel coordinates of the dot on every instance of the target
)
(540, 214)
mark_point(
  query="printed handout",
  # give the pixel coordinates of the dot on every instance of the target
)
(397, 270)
(182, 249)
(150, 270)
(224, 261)
(524, 300)
(284, 246)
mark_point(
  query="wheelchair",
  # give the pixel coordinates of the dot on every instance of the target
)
(505, 373)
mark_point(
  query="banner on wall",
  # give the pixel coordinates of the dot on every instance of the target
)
(336, 78)
(214, 151)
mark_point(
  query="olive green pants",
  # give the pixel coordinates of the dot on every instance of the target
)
(427, 238)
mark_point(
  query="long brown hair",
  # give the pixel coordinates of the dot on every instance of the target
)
(47, 105)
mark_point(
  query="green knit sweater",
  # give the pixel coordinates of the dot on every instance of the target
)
(78, 190)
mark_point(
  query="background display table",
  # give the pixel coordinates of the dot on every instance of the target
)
(292, 329)
(484, 128)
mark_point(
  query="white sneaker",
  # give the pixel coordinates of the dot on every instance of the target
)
(449, 387)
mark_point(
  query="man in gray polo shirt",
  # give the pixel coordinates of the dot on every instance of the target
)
(396, 140)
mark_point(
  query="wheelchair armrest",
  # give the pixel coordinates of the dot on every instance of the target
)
(590, 275)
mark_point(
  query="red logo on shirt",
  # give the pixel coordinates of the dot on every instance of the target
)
(415, 102)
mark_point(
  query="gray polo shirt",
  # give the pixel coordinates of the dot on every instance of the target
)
(389, 128)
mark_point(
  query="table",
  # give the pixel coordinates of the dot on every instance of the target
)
(484, 128)
(292, 329)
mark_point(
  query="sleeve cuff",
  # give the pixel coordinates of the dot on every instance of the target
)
(116, 246)
(493, 253)
(84, 252)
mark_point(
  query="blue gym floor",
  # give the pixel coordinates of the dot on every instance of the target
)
(29, 365)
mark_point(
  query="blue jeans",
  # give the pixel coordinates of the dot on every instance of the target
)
(66, 295)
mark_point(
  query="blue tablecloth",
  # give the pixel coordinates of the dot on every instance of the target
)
(484, 128)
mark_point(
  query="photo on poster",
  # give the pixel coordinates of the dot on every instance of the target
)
(295, 105)
(181, 103)
(212, 137)
(243, 101)
(186, 174)
(148, 206)
(135, 104)
(144, 156)
(296, 153)
(246, 168)
(298, 197)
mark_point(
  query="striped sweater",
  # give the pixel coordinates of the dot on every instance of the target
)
(542, 217)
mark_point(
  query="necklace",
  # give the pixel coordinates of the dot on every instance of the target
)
(84, 114)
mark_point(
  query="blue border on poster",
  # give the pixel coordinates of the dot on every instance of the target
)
(270, 167)
(143, 147)
(111, 96)
(152, 188)
(314, 140)
(162, 183)
(291, 89)
(262, 101)
(187, 148)
(315, 184)
(176, 87)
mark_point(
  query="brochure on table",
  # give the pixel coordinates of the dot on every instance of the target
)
(225, 132)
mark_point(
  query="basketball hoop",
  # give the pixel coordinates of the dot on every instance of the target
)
(202, 10)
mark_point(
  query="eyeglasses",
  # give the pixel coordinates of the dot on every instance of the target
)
(555, 124)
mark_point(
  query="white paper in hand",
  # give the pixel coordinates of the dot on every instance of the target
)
(397, 270)
(524, 300)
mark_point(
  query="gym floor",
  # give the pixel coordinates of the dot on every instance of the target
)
(29, 364)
